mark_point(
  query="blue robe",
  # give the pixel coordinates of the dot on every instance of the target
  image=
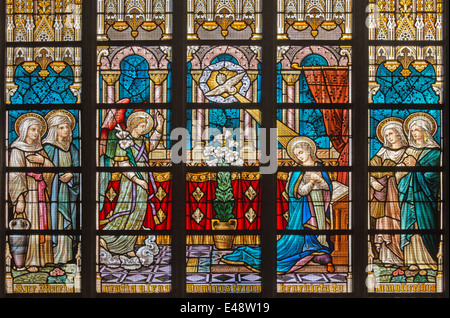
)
(418, 196)
(290, 248)
(64, 196)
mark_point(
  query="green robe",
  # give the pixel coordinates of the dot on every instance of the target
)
(418, 197)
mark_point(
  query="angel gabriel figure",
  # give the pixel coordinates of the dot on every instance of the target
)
(127, 204)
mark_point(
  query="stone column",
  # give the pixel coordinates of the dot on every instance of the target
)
(158, 78)
(110, 78)
(290, 78)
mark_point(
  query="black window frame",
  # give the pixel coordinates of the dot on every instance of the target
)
(359, 168)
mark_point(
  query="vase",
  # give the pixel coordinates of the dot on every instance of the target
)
(18, 243)
(223, 241)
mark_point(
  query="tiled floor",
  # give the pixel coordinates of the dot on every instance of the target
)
(205, 267)
(157, 273)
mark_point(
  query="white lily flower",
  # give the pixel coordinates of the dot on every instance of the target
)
(229, 158)
(121, 134)
(218, 152)
(218, 138)
(212, 162)
(238, 162)
(208, 151)
(227, 134)
(125, 143)
(233, 144)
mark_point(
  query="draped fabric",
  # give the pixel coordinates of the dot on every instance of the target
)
(295, 251)
(282, 204)
(336, 124)
(200, 195)
(332, 86)
(328, 85)
(200, 198)
(64, 201)
(164, 205)
(418, 196)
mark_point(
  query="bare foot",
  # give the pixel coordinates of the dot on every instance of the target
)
(33, 269)
(330, 268)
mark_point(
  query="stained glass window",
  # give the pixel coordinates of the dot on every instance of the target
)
(217, 20)
(310, 20)
(42, 90)
(313, 198)
(224, 74)
(313, 74)
(134, 20)
(406, 74)
(131, 167)
(43, 75)
(43, 20)
(405, 20)
(405, 148)
(405, 200)
(136, 74)
(235, 130)
(134, 198)
(42, 200)
(220, 200)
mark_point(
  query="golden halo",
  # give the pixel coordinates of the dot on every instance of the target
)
(143, 115)
(34, 115)
(423, 116)
(56, 112)
(295, 141)
(385, 122)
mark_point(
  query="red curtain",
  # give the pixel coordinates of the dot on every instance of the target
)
(200, 199)
(282, 204)
(243, 204)
(203, 199)
(165, 204)
(336, 125)
(328, 86)
(331, 86)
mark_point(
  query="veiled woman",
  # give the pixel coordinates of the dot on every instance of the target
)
(384, 207)
(419, 193)
(65, 188)
(309, 209)
(134, 188)
(29, 191)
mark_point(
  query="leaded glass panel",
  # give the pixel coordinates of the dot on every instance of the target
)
(314, 74)
(406, 74)
(134, 74)
(43, 75)
(223, 74)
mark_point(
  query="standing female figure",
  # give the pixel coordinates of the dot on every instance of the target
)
(29, 191)
(65, 189)
(419, 193)
(384, 207)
